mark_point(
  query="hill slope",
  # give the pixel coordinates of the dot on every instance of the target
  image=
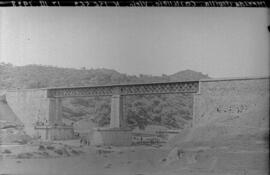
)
(38, 76)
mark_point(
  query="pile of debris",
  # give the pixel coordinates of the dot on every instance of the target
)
(11, 133)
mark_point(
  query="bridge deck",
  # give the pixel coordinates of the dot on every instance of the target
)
(126, 89)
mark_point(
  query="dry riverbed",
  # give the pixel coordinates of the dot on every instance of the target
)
(64, 158)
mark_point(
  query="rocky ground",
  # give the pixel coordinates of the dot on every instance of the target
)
(213, 148)
(68, 157)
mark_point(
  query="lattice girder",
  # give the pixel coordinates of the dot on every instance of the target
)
(127, 89)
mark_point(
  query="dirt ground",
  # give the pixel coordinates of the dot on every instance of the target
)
(134, 160)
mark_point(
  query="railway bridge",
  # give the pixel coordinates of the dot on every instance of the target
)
(212, 97)
(118, 94)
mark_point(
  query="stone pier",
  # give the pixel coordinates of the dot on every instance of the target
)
(117, 116)
(55, 108)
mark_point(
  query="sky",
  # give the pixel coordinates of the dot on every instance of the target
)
(220, 42)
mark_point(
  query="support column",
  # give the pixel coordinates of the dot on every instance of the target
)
(55, 114)
(117, 117)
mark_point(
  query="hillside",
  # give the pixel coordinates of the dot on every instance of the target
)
(39, 76)
(187, 75)
(172, 111)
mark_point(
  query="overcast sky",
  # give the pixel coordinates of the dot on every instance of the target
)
(220, 42)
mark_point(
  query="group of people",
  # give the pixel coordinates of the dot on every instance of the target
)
(42, 122)
(84, 141)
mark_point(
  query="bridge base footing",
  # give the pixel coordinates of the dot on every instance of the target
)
(54, 132)
(112, 137)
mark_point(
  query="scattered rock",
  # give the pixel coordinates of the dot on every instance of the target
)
(62, 152)
(59, 151)
(9, 135)
(102, 151)
(66, 153)
(75, 152)
(24, 156)
(45, 154)
(174, 155)
(108, 165)
(164, 160)
(50, 147)
(6, 151)
(41, 148)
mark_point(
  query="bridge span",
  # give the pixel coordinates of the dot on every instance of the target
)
(118, 92)
(212, 97)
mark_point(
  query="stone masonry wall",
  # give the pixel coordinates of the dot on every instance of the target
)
(238, 102)
(29, 105)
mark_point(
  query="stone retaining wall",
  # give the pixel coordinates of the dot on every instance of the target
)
(29, 105)
(239, 102)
